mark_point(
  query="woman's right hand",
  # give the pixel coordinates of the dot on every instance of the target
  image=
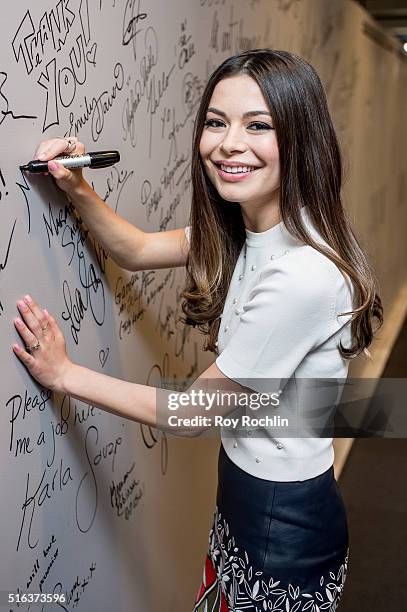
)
(67, 180)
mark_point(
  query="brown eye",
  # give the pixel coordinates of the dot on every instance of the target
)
(261, 126)
(211, 122)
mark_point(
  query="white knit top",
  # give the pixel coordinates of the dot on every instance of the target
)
(280, 322)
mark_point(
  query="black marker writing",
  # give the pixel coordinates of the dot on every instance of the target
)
(75, 592)
(139, 88)
(98, 108)
(130, 21)
(25, 188)
(44, 492)
(232, 38)
(212, 2)
(95, 454)
(3, 192)
(21, 407)
(103, 355)
(126, 493)
(3, 263)
(187, 46)
(101, 256)
(155, 93)
(77, 302)
(77, 305)
(31, 44)
(4, 105)
(60, 84)
(115, 182)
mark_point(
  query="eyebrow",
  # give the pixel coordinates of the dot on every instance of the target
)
(253, 113)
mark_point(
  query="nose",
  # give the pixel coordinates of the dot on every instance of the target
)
(233, 141)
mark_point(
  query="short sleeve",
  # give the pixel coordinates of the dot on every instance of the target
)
(188, 233)
(289, 312)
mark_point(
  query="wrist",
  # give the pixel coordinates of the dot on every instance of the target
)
(79, 192)
(65, 382)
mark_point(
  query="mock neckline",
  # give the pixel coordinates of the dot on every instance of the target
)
(277, 236)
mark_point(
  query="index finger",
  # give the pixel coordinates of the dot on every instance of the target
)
(36, 310)
(52, 148)
(43, 146)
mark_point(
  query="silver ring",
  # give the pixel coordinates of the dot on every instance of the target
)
(70, 145)
(29, 349)
(46, 326)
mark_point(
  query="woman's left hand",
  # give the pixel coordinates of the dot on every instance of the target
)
(44, 353)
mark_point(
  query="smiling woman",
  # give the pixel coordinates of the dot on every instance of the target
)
(279, 285)
(249, 146)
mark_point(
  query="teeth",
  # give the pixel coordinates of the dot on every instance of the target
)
(236, 169)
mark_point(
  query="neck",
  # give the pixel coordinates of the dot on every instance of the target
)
(261, 219)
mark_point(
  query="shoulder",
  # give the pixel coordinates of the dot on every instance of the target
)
(306, 283)
(304, 287)
(295, 292)
(303, 272)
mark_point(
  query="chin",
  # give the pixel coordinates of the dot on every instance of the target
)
(235, 190)
(228, 199)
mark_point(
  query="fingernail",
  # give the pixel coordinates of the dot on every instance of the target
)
(46, 312)
(52, 165)
(18, 321)
(22, 305)
(42, 156)
(28, 299)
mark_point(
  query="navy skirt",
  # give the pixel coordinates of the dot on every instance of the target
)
(280, 546)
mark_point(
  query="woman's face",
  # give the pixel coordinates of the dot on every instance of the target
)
(237, 139)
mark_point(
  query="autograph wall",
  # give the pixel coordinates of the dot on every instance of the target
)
(112, 514)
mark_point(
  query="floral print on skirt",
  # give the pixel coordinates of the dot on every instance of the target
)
(274, 546)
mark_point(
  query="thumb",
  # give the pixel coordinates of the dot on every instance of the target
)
(57, 170)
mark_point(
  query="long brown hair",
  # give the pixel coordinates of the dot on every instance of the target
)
(311, 175)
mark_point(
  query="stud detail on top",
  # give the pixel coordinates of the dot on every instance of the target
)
(234, 444)
(258, 459)
(238, 311)
(253, 267)
(240, 276)
(235, 301)
(287, 251)
(272, 256)
(279, 446)
(226, 328)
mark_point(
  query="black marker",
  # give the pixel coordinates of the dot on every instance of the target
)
(102, 159)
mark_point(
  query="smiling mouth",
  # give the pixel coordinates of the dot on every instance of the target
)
(236, 170)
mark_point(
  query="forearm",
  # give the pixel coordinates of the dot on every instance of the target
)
(122, 240)
(125, 399)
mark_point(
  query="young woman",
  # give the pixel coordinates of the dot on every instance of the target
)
(278, 283)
